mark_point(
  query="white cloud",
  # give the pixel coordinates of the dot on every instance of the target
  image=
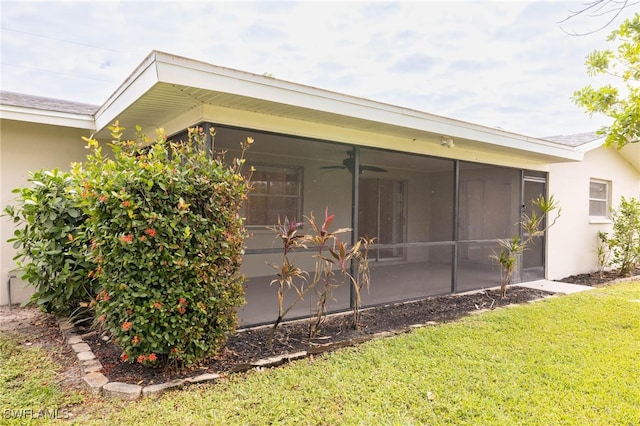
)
(506, 64)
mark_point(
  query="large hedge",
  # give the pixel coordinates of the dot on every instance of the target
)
(167, 241)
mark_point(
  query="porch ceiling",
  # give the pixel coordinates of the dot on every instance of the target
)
(165, 87)
(165, 101)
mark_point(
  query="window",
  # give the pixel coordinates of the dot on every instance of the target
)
(599, 195)
(275, 194)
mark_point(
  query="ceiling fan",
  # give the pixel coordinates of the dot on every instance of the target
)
(349, 163)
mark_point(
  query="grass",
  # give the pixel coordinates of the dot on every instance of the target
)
(29, 390)
(572, 360)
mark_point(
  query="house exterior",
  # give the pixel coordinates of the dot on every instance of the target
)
(586, 190)
(438, 193)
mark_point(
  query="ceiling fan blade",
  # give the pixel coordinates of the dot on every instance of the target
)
(333, 167)
(349, 164)
(373, 169)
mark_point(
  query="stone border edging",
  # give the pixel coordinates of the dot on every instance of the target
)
(98, 384)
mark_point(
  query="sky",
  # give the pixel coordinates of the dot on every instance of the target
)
(511, 65)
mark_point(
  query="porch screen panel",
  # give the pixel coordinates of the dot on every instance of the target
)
(489, 201)
(406, 202)
(474, 268)
(294, 177)
(403, 280)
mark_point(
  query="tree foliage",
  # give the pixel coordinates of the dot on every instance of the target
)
(624, 242)
(620, 101)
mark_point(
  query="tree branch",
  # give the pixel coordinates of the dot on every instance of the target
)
(598, 8)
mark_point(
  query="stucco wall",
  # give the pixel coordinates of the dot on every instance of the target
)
(26, 147)
(573, 240)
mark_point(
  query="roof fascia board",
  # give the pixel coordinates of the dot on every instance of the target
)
(630, 152)
(176, 70)
(54, 118)
(589, 146)
(142, 79)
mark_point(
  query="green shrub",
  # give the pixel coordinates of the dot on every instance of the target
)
(624, 243)
(168, 239)
(52, 243)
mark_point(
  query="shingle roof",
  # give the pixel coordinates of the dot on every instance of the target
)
(574, 140)
(47, 104)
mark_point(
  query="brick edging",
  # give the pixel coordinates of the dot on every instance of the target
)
(98, 384)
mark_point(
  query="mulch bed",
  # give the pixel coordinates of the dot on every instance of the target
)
(251, 345)
(596, 278)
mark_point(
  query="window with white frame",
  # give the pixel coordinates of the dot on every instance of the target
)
(275, 194)
(599, 198)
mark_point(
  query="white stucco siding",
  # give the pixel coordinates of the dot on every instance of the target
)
(573, 240)
(27, 147)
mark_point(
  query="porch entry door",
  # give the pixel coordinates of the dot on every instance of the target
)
(533, 257)
(381, 214)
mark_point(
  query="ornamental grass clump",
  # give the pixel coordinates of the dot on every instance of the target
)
(167, 241)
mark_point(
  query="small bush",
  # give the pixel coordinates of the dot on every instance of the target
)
(52, 243)
(624, 243)
(336, 264)
(167, 240)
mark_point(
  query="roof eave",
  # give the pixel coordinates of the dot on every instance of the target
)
(139, 82)
(590, 146)
(631, 153)
(162, 68)
(55, 118)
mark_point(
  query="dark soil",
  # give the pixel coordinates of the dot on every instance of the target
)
(252, 344)
(597, 278)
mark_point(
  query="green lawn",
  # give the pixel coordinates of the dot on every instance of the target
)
(571, 360)
(29, 389)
